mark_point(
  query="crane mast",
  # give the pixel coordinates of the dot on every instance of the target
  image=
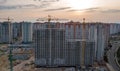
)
(83, 42)
(10, 52)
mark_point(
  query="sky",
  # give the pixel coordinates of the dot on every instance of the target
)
(76, 10)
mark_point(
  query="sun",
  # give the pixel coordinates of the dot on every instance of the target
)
(80, 4)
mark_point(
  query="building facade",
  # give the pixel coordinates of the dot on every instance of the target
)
(59, 45)
(5, 32)
(27, 32)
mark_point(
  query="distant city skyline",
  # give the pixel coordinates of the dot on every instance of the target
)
(92, 10)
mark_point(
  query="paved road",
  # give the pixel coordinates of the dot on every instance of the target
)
(111, 56)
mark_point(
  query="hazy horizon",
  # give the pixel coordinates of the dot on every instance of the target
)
(76, 10)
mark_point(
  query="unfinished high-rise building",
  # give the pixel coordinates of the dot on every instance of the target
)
(60, 45)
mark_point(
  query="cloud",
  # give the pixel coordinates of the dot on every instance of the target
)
(2, 7)
(3, 1)
(47, 0)
(42, 4)
(85, 10)
(63, 8)
(90, 10)
(96, 9)
(111, 11)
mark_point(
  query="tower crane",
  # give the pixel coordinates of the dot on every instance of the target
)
(50, 18)
(83, 41)
(8, 19)
(10, 56)
(10, 29)
(10, 52)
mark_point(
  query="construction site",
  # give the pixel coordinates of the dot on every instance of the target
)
(71, 44)
(54, 46)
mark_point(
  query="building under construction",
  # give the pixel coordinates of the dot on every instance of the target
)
(4, 32)
(56, 45)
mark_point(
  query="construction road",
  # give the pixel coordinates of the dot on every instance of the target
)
(111, 56)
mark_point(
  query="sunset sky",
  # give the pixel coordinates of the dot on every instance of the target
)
(92, 10)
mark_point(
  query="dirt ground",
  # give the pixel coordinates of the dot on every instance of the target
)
(4, 63)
